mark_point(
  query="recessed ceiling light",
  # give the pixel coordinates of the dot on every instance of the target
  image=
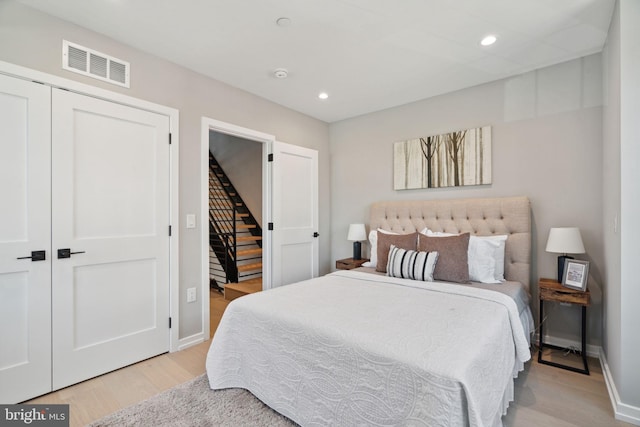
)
(323, 95)
(488, 40)
(283, 22)
(281, 73)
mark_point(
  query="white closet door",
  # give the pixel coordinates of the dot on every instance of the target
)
(295, 213)
(25, 214)
(110, 190)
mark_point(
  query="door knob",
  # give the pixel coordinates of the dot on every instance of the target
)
(66, 253)
(35, 256)
(315, 234)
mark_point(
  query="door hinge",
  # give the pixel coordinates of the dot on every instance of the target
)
(270, 157)
(169, 231)
(270, 226)
(169, 322)
(169, 138)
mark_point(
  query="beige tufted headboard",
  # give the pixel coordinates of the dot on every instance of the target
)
(481, 217)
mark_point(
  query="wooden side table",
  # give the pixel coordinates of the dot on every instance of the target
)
(349, 263)
(552, 290)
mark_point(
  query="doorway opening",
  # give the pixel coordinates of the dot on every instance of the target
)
(236, 187)
(235, 215)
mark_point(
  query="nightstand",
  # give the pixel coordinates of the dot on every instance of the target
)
(552, 290)
(349, 263)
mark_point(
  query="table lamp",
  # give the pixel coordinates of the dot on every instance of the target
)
(357, 233)
(564, 240)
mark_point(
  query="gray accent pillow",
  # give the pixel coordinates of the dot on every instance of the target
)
(403, 241)
(453, 261)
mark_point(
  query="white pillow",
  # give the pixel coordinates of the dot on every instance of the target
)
(501, 239)
(482, 261)
(409, 264)
(373, 247)
(482, 249)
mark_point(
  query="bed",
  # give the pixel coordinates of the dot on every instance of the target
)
(362, 348)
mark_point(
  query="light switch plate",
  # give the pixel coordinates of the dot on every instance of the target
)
(191, 295)
(191, 221)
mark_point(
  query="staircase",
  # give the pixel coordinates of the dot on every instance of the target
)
(235, 238)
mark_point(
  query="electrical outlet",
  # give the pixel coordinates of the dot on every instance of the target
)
(191, 295)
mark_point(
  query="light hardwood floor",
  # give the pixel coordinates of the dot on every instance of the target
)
(544, 395)
(100, 396)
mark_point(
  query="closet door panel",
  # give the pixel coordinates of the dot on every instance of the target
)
(110, 180)
(25, 216)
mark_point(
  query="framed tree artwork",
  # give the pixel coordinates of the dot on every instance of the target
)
(447, 160)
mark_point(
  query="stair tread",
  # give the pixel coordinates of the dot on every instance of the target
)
(248, 238)
(245, 286)
(237, 290)
(252, 266)
(245, 252)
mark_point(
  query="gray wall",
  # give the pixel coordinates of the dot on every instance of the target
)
(611, 197)
(630, 201)
(621, 197)
(32, 39)
(547, 145)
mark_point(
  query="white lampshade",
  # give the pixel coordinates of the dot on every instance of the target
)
(357, 233)
(565, 240)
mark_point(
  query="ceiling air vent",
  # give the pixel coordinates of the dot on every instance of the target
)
(94, 64)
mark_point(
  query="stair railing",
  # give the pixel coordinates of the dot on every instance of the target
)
(222, 232)
(226, 207)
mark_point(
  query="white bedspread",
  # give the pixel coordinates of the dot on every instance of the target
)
(353, 349)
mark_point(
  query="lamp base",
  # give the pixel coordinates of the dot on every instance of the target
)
(561, 259)
(357, 250)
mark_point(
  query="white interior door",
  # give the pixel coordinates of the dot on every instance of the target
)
(295, 214)
(110, 213)
(25, 284)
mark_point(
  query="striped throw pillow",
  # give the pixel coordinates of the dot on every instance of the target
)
(408, 264)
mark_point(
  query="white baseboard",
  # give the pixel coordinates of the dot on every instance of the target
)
(623, 412)
(592, 350)
(191, 341)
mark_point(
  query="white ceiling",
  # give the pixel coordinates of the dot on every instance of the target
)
(368, 55)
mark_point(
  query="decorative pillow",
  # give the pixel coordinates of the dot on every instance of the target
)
(478, 254)
(453, 265)
(373, 247)
(403, 241)
(409, 264)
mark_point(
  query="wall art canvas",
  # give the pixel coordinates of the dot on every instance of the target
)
(448, 160)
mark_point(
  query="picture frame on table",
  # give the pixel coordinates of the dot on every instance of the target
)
(575, 274)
